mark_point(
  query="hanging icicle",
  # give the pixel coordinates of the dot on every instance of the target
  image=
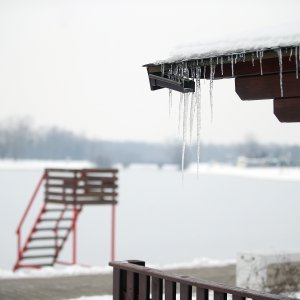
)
(296, 61)
(232, 66)
(170, 101)
(261, 54)
(280, 70)
(222, 69)
(291, 53)
(162, 70)
(180, 112)
(211, 82)
(185, 119)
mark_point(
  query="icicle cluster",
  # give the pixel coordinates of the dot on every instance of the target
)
(190, 103)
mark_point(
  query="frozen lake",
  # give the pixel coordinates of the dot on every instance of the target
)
(162, 220)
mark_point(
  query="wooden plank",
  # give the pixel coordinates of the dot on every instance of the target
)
(119, 284)
(220, 296)
(185, 292)
(170, 290)
(144, 287)
(131, 289)
(234, 297)
(287, 109)
(269, 66)
(157, 288)
(202, 294)
(267, 86)
(85, 202)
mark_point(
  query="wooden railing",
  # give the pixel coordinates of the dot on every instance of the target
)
(81, 187)
(133, 281)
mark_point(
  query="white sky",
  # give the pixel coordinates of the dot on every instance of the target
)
(77, 65)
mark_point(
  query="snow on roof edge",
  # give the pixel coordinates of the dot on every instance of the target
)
(271, 38)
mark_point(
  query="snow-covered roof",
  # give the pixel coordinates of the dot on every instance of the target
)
(283, 36)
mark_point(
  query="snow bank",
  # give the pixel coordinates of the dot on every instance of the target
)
(55, 272)
(196, 263)
(80, 270)
(268, 173)
(283, 35)
(31, 164)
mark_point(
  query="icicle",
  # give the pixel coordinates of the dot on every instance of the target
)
(180, 112)
(280, 70)
(291, 53)
(170, 72)
(170, 101)
(185, 72)
(244, 57)
(185, 119)
(162, 70)
(236, 58)
(204, 73)
(296, 60)
(232, 68)
(198, 104)
(211, 83)
(261, 54)
(192, 111)
(252, 59)
(217, 60)
(222, 71)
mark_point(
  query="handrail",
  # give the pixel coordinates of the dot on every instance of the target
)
(130, 275)
(30, 202)
(18, 231)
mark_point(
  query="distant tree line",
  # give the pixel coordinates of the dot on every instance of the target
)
(20, 140)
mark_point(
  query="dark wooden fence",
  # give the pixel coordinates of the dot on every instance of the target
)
(133, 281)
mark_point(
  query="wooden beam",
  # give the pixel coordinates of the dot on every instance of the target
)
(287, 109)
(267, 86)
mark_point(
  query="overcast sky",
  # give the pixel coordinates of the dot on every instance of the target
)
(78, 65)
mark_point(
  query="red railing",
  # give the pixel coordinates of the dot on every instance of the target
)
(19, 228)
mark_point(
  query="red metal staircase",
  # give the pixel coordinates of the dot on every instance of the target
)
(66, 192)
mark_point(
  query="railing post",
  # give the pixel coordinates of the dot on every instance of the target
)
(74, 235)
(113, 232)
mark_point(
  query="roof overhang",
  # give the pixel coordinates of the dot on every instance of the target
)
(270, 73)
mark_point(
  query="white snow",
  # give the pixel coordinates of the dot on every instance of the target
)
(80, 270)
(35, 164)
(271, 173)
(283, 35)
(54, 272)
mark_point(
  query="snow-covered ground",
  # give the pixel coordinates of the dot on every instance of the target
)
(81, 270)
(269, 173)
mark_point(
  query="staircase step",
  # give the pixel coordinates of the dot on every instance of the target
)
(51, 229)
(41, 247)
(58, 209)
(34, 265)
(47, 238)
(38, 256)
(55, 219)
